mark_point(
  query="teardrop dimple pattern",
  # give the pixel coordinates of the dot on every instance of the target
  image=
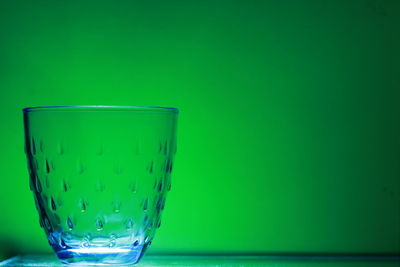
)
(47, 224)
(160, 186)
(133, 186)
(82, 205)
(137, 148)
(100, 187)
(47, 181)
(159, 204)
(129, 224)
(59, 201)
(48, 169)
(166, 165)
(116, 206)
(118, 170)
(165, 149)
(32, 182)
(110, 196)
(99, 224)
(163, 204)
(53, 204)
(70, 225)
(41, 146)
(150, 167)
(112, 241)
(169, 186)
(81, 168)
(38, 185)
(65, 186)
(60, 148)
(145, 204)
(155, 183)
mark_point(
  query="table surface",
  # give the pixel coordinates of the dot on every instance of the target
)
(227, 261)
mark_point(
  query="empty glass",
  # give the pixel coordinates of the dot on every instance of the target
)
(100, 175)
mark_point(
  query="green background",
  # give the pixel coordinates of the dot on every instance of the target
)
(289, 132)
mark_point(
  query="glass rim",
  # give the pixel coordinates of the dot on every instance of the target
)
(86, 108)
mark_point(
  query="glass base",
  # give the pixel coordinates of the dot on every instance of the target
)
(101, 256)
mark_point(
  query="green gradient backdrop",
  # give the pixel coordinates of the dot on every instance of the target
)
(289, 132)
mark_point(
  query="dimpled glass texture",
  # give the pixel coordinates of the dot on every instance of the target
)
(100, 175)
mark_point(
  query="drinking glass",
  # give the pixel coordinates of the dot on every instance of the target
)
(100, 175)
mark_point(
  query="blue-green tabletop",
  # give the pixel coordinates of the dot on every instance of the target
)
(227, 261)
